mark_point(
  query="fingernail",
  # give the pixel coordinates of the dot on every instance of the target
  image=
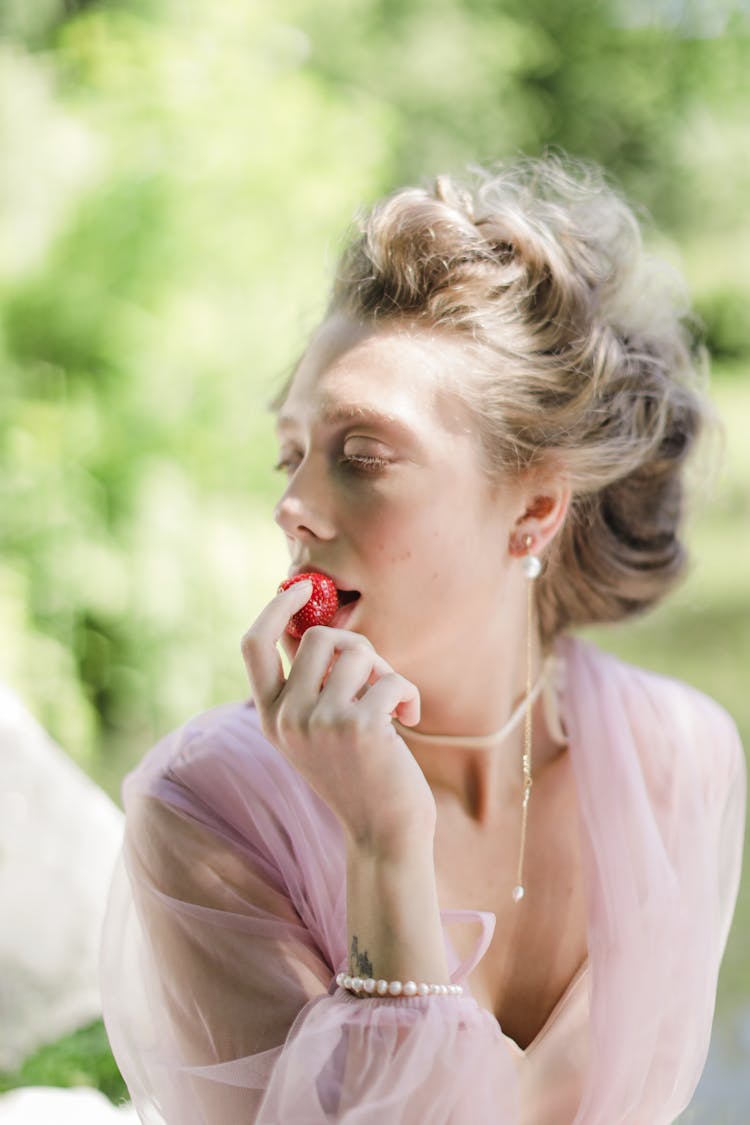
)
(306, 583)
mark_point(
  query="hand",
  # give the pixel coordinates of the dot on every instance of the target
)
(331, 719)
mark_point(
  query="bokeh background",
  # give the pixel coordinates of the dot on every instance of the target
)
(176, 178)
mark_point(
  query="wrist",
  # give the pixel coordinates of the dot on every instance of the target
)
(393, 915)
(402, 844)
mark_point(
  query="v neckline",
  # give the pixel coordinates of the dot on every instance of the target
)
(464, 969)
(582, 971)
(578, 976)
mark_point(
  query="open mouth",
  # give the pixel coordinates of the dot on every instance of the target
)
(348, 600)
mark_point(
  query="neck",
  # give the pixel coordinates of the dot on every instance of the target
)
(480, 741)
(467, 755)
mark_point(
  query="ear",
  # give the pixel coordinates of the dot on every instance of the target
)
(545, 506)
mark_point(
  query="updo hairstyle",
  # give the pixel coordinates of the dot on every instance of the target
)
(584, 360)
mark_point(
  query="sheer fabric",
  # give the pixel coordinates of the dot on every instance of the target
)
(227, 925)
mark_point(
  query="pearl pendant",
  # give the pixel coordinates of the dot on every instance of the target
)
(518, 893)
(531, 565)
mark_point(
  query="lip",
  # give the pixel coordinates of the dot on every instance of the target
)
(308, 568)
(311, 568)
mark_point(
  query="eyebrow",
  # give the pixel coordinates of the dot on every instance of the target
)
(334, 413)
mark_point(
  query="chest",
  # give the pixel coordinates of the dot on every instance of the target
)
(539, 944)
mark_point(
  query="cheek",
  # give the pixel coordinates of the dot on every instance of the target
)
(423, 554)
(384, 530)
(435, 544)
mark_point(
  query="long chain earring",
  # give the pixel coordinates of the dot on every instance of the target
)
(532, 568)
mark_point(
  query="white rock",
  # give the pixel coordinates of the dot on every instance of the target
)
(43, 1105)
(59, 838)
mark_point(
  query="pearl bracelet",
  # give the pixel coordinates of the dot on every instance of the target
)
(395, 987)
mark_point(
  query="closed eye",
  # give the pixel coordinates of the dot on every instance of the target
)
(365, 463)
(286, 464)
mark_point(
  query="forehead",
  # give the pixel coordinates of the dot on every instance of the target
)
(400, 372)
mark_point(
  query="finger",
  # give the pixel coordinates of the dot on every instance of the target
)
(317, 651)
(351, 672)
(262, 660)
(393, 693)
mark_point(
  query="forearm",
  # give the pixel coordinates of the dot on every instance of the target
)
(393, 917)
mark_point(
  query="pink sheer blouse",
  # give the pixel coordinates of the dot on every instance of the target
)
(227, 925)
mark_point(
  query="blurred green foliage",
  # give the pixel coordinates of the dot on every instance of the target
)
(83, 1058)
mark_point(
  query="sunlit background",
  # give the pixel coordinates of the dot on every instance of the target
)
(176, 178)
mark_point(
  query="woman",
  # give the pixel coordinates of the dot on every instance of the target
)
(484, 446)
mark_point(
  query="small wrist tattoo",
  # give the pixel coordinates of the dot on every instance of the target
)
(359, 962)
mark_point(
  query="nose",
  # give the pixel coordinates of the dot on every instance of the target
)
(304, 511)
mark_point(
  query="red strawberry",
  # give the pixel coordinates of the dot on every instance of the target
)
(319, 610)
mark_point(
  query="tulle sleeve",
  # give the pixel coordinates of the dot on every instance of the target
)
(218, 971)
(728, 796)
(661, 783)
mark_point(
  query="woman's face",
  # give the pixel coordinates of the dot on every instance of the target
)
(386, 494)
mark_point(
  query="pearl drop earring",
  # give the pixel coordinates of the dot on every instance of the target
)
(531, 565)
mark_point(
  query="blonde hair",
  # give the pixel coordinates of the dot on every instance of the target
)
(586, 359)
